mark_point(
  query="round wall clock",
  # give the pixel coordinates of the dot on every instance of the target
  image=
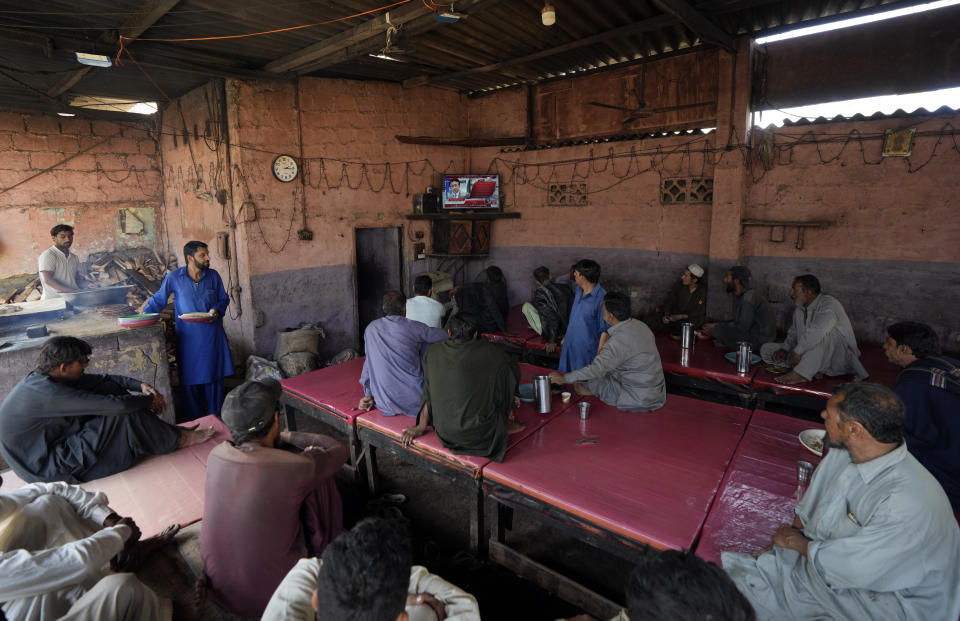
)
(284, 168)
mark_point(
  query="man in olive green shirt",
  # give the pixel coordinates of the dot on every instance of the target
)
(469, 387)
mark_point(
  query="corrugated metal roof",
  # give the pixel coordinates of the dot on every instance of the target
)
(500, 43)
(876, 116)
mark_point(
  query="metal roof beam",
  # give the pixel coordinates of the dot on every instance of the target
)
(646, 25)
(364, 38)
(133, 26)
(697, 22)
(175, 60)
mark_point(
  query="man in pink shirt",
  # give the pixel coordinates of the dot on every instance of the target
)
(270, 500)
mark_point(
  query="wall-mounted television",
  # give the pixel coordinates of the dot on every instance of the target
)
(471, 192)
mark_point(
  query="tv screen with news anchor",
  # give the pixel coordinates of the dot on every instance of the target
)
(471, 192)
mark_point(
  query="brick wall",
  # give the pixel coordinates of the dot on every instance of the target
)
(341, 125)
(641, 243)
(197, 175)
(116, 166)
(891, 251)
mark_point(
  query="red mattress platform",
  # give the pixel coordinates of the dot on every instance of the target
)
(517, 331)
(649, 477)
(158, 491)
(758, 491)
(872, 357)
(706, 361)
(430, 446)
(335, 389)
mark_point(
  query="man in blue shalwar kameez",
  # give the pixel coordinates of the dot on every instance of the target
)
(201, 347)
(586, 325)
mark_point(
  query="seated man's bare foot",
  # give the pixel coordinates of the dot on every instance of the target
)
(133, 558)
(515, 426)
(192, 437)
(791, 378)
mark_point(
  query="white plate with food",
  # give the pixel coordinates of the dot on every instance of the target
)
(812, 440)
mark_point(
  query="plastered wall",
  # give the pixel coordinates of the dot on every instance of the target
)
(198, 201)
(80, 172)
(355, 174)
(892, 248)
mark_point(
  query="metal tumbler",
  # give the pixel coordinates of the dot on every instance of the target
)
(686, 335)
(584, 410)
(743, 356)
(684, 357)
(804, 472)
(541, 392)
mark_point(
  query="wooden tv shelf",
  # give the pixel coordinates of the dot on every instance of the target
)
(462, 216)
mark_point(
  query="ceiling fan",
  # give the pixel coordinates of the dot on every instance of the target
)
(642, 111)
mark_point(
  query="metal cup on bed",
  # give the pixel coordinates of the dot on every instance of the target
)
(687, 336)
(743, 357)
(541, 393)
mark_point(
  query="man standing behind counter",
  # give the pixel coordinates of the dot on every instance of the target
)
(59, 270)
(201, 347)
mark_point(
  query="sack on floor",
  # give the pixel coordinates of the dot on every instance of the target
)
(343, 356)
(298, 363)
(259, 368)
(305, 338)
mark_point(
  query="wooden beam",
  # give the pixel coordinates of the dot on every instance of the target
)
(553, 582)
(646, 25)
(67, 82)
(133, 26)
(463, 142)
(365, 38)
(697, 22)
(172, 59)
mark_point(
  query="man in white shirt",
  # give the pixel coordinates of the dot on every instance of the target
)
(371, 563)
(423, 308)
(54, 564)
(59, 269)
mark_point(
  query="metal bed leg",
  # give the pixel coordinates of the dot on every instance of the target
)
(290, 417)
(369, 454)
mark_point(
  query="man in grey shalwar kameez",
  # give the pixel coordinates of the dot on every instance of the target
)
(873, 537)
(820, 340)
(626, 373)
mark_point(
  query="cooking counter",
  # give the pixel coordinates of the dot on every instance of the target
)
(135, 352)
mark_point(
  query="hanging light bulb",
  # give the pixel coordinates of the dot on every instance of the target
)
(548, 15)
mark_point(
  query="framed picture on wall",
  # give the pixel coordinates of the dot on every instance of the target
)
(898, 142)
